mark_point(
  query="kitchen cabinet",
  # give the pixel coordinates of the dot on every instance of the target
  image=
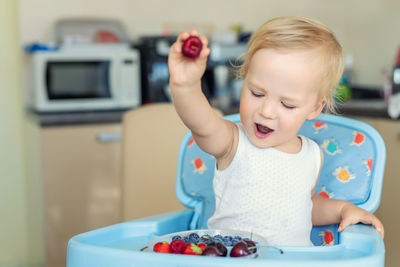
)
(388, 211)
(81, 182)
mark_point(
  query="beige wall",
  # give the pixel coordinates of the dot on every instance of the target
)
(13, 223)
(368, 30)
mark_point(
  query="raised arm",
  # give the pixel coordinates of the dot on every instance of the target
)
(213, 134)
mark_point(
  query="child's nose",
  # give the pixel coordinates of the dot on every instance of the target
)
(268, 109)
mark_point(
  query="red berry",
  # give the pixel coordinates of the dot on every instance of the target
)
(178, 246)
(192, 47)
(202, 246)
(162, 247)
(192, 249)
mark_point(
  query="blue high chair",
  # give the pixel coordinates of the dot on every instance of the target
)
(354, 159)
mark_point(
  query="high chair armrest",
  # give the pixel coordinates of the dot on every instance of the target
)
(164, 223)
(366, 239)
(148, 227)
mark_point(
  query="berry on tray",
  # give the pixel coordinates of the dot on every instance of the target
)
(241, 249)
(162, 247)
(222, 249)
(211, 251)
(176, 237)
(192, 249)
(202, 246)
(177, 246)
(251, 245)
(194, 238)
(206, 239)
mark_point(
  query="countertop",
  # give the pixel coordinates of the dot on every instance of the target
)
(83, 117)
(369, 108)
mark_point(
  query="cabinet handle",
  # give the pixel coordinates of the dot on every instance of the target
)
(108, 137)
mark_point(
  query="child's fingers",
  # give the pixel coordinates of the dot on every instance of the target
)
(205, 50)
(193, 32)
(184, 35)
(378, 226)
(343, 224)
(375, 222)
(346, 221)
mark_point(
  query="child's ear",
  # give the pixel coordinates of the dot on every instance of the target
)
(317, 110)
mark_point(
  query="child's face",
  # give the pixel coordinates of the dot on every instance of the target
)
(280, 91)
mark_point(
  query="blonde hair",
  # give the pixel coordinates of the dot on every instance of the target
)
(297, 33)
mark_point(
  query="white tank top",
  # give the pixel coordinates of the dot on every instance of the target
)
(268, 192)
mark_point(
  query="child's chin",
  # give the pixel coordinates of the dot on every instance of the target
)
(260, 143)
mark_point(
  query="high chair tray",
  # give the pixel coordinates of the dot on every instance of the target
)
(120, 245)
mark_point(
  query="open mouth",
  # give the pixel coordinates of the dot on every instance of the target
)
(262, 131)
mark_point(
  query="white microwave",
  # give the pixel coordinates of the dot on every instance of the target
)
(85, 78)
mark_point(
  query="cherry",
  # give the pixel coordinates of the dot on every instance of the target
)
(211, 251)
(240, 250)
(251, 246)
(221, 248)
(192, 47)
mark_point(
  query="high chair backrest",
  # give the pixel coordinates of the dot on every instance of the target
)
(353, 168)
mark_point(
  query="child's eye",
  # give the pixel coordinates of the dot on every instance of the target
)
(256, 94)
(287, 106)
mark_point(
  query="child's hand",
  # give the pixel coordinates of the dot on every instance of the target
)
(186, 71)
(351, 214)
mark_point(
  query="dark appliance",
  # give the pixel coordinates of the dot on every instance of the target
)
(154, 69)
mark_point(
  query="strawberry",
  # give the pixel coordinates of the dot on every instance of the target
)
(162, 247)
(192, 249)
(202, 245)
(178, 246)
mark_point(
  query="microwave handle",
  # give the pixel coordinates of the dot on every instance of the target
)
(108, 137)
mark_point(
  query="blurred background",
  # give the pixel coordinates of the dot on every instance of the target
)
(39, 149)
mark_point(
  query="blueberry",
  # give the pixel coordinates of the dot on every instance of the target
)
(186, 239)
(218, 238)
(194, 236)
(228, 237)
(237, 237)
(176, 237)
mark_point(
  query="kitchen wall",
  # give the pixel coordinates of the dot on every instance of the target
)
(368, 30)
(13, 222)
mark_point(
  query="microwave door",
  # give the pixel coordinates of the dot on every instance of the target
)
(84, 80)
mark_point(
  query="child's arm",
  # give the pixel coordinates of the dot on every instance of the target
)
(331, 211)
(213, 134)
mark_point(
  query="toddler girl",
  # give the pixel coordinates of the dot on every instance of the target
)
(265, 174)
